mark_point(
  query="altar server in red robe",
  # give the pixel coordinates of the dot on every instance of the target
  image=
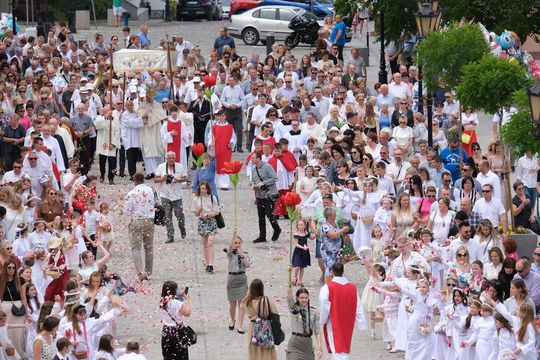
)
(176, 135)
(284, 165)
(224, 138)
(341, 310)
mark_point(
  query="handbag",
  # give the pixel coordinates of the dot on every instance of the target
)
(262, 335)
(275, 324)
(465, 138)
(159, 215)
(16, 311)
(185, 335)
(219, 218)
(80, 349)
(54, 274)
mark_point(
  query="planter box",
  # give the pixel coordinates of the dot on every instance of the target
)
(526, 243)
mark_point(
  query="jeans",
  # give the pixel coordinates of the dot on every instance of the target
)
(265, 208)
(533, 194)
(141, 231)
(234, 117)
(176, 206)
(103, 165)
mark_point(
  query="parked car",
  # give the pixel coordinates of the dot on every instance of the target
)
(321, 8)
(253, 25)
(209, 9)
(226, 8)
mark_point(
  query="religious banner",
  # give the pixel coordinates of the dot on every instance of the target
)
(134, 60)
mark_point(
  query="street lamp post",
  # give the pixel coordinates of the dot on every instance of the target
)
(13, 6)
(428, 19)
(383, 75)
(534, 100)
(167, 11)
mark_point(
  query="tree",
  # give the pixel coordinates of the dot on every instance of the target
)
(520, 127)
(444, 53)
(522, 17)
(490, 83)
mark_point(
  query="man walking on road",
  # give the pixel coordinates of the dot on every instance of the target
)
(140, 207)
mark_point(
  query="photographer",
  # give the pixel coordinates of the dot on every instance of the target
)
(174, 309)
(263, 180)
(170, 175)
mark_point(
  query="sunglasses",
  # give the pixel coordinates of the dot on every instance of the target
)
(475, 149)
(431, 196)
(461, 255)
(32, 159)
(536, 254)
(486, 191)
(452, 285)
(11, 267)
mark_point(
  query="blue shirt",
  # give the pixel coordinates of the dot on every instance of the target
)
(339, 26)
(221, 42)
(206, 174)
(162, 94)
(231, 96)
(451, 161)
(145, 41)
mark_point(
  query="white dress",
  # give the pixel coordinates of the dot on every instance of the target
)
(403, 316)
(469, 352)
(484, 335)
(6, 342)
(454, 329)
(362, 230)
(420, 346)
(39, 242)
(441, 225)
(528, 344)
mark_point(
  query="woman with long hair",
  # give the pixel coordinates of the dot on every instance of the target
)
(13, 296)
(488, 238)
(305, 323)
(404, 216)
(15, 214)
(107, 348)
(254, 300)
(506, 275)
(174, 308)
(44, 344)
(519, 295)
(206, 208)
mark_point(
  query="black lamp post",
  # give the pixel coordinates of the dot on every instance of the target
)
(167, 11)
(13, 6)
(428, 19)
(534, 100)
(383, 74)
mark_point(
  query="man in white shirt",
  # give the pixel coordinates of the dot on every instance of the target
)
(527, 171)
(491, 208)
(140, 207)
(399, 89)
(132, 352)
(170, 176)
(258, 115)
(385, 181)
(321, 103)
(486, 176)
(180, 45)
(52, 144)
(297, 139)
(398, 168)
(464, 239)
(131, 123)
(450, 104)
(14, 175)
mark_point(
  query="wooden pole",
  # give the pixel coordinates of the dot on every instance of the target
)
(506, 171)
(111, 72)
(169, 65)
(124, 92)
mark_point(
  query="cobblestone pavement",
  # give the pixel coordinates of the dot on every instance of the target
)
(182, 260)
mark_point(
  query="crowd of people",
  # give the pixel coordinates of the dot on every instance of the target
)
(428, 221)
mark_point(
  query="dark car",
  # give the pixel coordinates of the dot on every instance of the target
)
(209, 9)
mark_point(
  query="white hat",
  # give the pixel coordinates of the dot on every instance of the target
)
(196, 79)
(142, 93)
(83, 90)
(134, 82)
(55, 243)
(89, 87)
(132, 89)
(84, 78)
(333, 128)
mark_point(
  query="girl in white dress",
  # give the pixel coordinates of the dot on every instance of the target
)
(505, 335)
(383, 215)
(371, 299)
(467, 325)
(346, 200)
(4, 338)
(483, 334)
(454, 313)
(369, 203)
(305, 187)
(34, 308)
(524, 330)
(39, 242)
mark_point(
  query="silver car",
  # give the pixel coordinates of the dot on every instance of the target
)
(253, 25)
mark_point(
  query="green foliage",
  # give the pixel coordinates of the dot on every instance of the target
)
(345, 7)
(516, 130)
(445, 52)
(521, 16)
(490, 83)
(398, 17)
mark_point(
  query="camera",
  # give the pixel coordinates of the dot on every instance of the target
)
(169, 179)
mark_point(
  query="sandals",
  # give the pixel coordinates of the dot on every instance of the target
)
(294, 281)
(300, 284)
(231, 327)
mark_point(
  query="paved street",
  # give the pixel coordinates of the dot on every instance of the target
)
(181, 261)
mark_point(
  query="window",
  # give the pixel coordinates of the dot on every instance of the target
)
(268, 14)
(286, 14)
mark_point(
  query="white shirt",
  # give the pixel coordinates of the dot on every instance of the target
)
(140, 202)
(506, 114)
(132, 356)
(490, 210)
(56, 154)
(490, 178)
(472, 246)
(11, 177)
(131, 124)
(400, 90)
(526, 171)
(172, 191)
(397, 171)
(322, 105)
(258, 116)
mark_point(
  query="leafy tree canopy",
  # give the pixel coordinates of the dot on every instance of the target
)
(445, 52)
(490, 83)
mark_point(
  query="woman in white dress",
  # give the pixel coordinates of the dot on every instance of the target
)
(487, 237)
(39, 243)
(440, 220)
(365, 214)
(15, 214)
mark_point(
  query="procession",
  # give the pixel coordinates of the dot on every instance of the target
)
(181, 195)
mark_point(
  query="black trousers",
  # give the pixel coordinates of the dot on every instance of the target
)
(265, 208)
(103, 165)
(234, 117)
(122, 160)
(85, 154)
(132, 155)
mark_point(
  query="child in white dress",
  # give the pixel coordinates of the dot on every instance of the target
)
(371, 299)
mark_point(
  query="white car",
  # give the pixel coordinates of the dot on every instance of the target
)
(253, 25)
(226, 6)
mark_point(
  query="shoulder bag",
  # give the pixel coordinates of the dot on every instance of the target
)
(185, 334)
(262, 334)
(219, 218)
(271, 191)
(275, 323)
(16, 311)
(159, 215)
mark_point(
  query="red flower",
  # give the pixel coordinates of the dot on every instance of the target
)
(198, 149)
(209, 81)
(232, 167)
(291, 199)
